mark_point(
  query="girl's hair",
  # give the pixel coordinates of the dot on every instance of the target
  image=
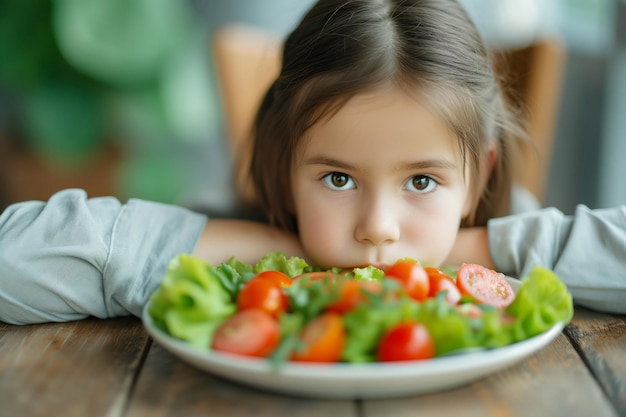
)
(344, 47)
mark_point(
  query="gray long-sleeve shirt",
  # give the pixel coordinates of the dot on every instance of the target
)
(587, 251)
(74, 257)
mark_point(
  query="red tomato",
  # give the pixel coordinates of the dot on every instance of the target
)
(352, 293)
(412, 277)
(248, 332)
(406, 342)
(323, 338)
(320, 276)
(264, 295)
(275, 277)
(440, 281)
(349, 296)
(485, 285)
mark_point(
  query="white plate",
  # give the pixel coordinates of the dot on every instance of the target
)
(342, 381)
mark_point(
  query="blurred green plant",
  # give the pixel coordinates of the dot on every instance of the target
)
(77, 73)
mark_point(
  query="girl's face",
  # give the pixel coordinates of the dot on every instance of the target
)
(380, 180)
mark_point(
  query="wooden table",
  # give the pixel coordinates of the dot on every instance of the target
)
(112, 368)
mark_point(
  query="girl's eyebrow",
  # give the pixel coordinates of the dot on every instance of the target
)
(418, 165)
(324, 160)
(430, 163)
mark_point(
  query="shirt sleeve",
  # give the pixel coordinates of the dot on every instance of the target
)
(586, 250)
(74, 257)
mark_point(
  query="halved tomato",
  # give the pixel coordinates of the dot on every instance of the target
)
(352, 293)
(275, 277)
(262, 294)
(320, 276)
(248, 332)
(406, 342)
(484, 285)
(439, 281)
(323, 339)
(412, 277)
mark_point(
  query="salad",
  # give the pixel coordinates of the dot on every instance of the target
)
(286, 310)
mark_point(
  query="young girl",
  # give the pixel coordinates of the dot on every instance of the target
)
(385, 130)
(384, 133)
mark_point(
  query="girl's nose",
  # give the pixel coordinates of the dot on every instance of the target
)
(378, 223)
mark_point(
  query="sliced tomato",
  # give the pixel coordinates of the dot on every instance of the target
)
(248, 332)
(412, 277)
(484, 285)
(262, 294)
(439, 281)
(406, 342)
(349, 293)
(323, 339)
(352, 293)
(321, 276)
(275, 277)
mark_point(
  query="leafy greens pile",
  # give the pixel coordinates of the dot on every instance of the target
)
(196, 297)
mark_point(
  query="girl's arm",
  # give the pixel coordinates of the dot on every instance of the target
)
(247, 240)
(471, 246)
(586, 250)
(74, 257)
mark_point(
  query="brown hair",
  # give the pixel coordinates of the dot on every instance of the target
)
(343, 47)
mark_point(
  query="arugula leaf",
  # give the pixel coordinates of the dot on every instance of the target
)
(366, 324)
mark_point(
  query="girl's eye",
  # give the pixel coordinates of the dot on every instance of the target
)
(338, 181)
(421, 184)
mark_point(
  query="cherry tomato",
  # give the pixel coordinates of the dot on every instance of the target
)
(406, 342)
(484, 285)
(323, 339)
(330, 281)
(264, 295)
(276, 277)
(319, 276)
(412, 277)
(352, 293)
(248, 332)
(440, 281)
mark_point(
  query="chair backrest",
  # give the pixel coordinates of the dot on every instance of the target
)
(535, 76)
(247, 60)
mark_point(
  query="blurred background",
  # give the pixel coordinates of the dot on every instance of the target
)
(119, 97)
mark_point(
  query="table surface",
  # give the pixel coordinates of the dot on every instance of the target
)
(112, 368)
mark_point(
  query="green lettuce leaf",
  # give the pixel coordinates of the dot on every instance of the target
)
(277, 261)
(368, 273)
(191, 301)
(541, 301)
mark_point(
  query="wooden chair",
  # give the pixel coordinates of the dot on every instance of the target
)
(247, 60)
(535, 77)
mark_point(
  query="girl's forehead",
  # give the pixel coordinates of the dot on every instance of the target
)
(384, 120)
